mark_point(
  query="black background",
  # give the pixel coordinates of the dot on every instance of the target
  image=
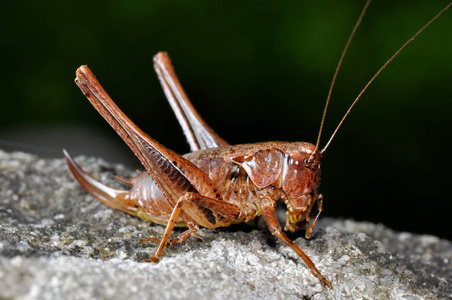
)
(256, 71)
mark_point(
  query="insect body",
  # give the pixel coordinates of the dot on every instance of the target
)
(216, 184)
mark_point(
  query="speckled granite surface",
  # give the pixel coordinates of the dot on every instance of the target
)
(57, 242)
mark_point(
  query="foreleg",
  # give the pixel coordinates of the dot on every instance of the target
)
(310, 227)
(269, 214)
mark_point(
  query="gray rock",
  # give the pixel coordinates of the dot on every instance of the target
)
(58, 242)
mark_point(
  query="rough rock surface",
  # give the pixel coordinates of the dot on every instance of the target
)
(58, 242)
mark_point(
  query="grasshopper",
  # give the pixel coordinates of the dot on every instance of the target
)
(217, 184)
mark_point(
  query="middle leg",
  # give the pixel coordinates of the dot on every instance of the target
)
(207, 212)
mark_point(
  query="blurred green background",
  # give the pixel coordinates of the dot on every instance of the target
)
(256, 71)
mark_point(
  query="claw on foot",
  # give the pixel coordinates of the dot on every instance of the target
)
(326, 282)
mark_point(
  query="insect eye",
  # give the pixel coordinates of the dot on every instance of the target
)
(306, 162)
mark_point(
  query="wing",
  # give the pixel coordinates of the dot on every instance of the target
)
(198, 133)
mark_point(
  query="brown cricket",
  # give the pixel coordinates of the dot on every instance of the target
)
(217, 184)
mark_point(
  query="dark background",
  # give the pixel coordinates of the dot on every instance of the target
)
(256, 71)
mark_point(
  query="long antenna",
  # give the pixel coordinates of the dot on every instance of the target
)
(378, 73)
(337, 71)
